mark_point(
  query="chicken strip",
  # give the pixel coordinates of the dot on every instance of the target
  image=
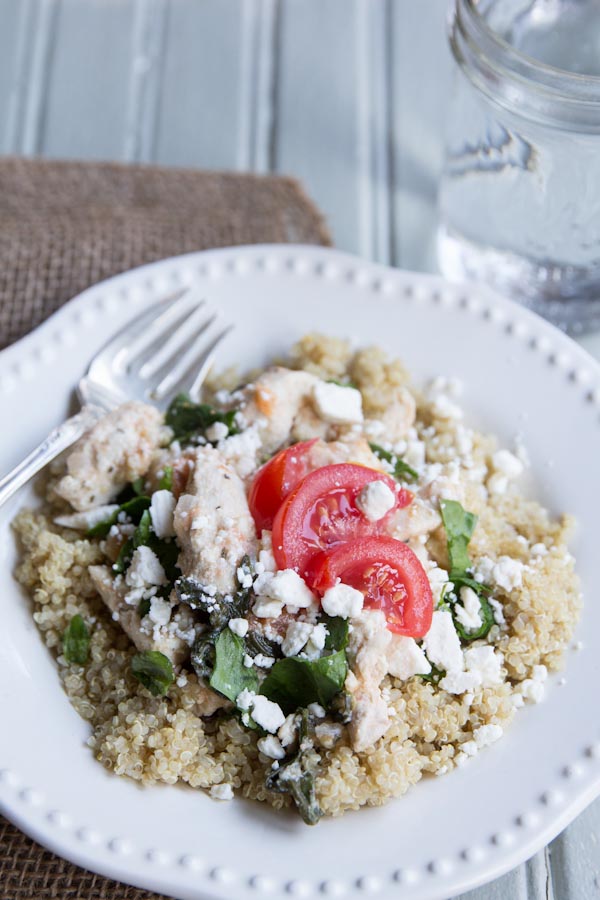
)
(213, 524)
(367, 654)
(274, 402)
(117, 450)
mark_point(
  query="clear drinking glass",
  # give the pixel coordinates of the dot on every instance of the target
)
(520, 191)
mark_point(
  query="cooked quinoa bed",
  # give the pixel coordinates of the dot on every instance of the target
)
(163, 739)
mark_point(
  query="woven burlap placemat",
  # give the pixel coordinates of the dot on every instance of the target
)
(66, 225)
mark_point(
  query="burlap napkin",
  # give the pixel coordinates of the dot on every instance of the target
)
(64, 226)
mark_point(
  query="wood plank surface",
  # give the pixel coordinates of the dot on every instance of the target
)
(347, 95)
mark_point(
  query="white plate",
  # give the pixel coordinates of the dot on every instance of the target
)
(447, 834)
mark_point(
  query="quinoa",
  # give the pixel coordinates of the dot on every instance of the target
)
(163, 739)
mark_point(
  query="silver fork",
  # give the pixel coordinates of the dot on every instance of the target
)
(166, 350)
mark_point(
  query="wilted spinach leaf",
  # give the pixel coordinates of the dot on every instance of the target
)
(337, 631)
(133, 509)
(294, 683)
(166, 481)
(402, 471)
(154, 670)
(296, 776)
(230, 676)
(76, 641)
(189, 420)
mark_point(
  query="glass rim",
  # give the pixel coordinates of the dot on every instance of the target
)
(516, 80)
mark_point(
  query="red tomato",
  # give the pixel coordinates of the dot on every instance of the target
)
(388, 574)
(321, 512)
(274, 481)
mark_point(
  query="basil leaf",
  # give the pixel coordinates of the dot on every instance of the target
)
(257, 643)
(294, 683)
(296, 776)
(76, 641)
(402, 471)
(230, 676)
(435, 676)
(459, 525)
(142, 532)
(189, 420)
(218, 609)
(166, 481)
(154, 670)
(203, 654)
(337, 631)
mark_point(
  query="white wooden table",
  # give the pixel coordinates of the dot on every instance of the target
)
(347, 95)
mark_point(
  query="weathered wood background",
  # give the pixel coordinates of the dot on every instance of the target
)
(347, 95)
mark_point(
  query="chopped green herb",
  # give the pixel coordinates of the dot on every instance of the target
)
(133, 509)
(142, 532)
(294, 683)
(339, 383)
(337, 632)
(435, 676)
(203, 654)
(154, 670)
(460, 525)
(138, 486)
(230, 676)
(124, 557)
(166, 481)
(402, 471)
(189, 420)
(218, 609)
(76, 641)
(143, 607)
(296, 776)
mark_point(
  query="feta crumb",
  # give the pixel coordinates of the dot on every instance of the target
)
(539, 550)
(328, 734)
(287, 587)
(497, 483)
(245, 699)
(267, 608)
(162, 507)
(221, 792)
(287, 732)
(182, 680)
(316, 710)
(160, 611)
(83, 521)
(486, 663)
(316, 641)
(263, 662)
(145, 569)
(337, 404)
(267, 714)
(438, 580)
(217, 432)
(343, 601)
(469, 614)
(498, 611)
(296, 636)
(239, 626)
(405, 658)
(244, 577)
(506, 463)
(460, 682)
(270, 746)
(240, 450)
(248, 661)
(506, 573)
(444, 408)
(375, 500)
(441, 643)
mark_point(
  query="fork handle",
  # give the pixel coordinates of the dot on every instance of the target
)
(58, 440)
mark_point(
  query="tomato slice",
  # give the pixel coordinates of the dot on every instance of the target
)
(388, 574)
(321, 512)
(275, 480)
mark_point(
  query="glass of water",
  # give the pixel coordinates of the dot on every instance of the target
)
(520, 191)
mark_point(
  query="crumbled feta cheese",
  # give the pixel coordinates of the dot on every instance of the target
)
(486, 663)
(506, 463)
(469, 614)
(506, 573)
(539, 550)
(497, 610)
(328, 734)
(443, 407)
(83, 521)
(337, 404)
(145, 569)
(343, 601)
(270, 746)
(287, 732)
(441, 643)
(244, 577)
(182, 680)
(497, 483)
(217, 432)
(248, 661)
(240, 450)
(162, 507)
(160, 611)
(316, 710)
(245, 699)
(405, 658)
(267, 714)
(287, 587)
(457, 682)
(438, 580)
(316, 641)
(221, 792)
(263, 662)
(296, 636)
(239, 626)
(487, 734)
(375, 500)
(267, 608)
